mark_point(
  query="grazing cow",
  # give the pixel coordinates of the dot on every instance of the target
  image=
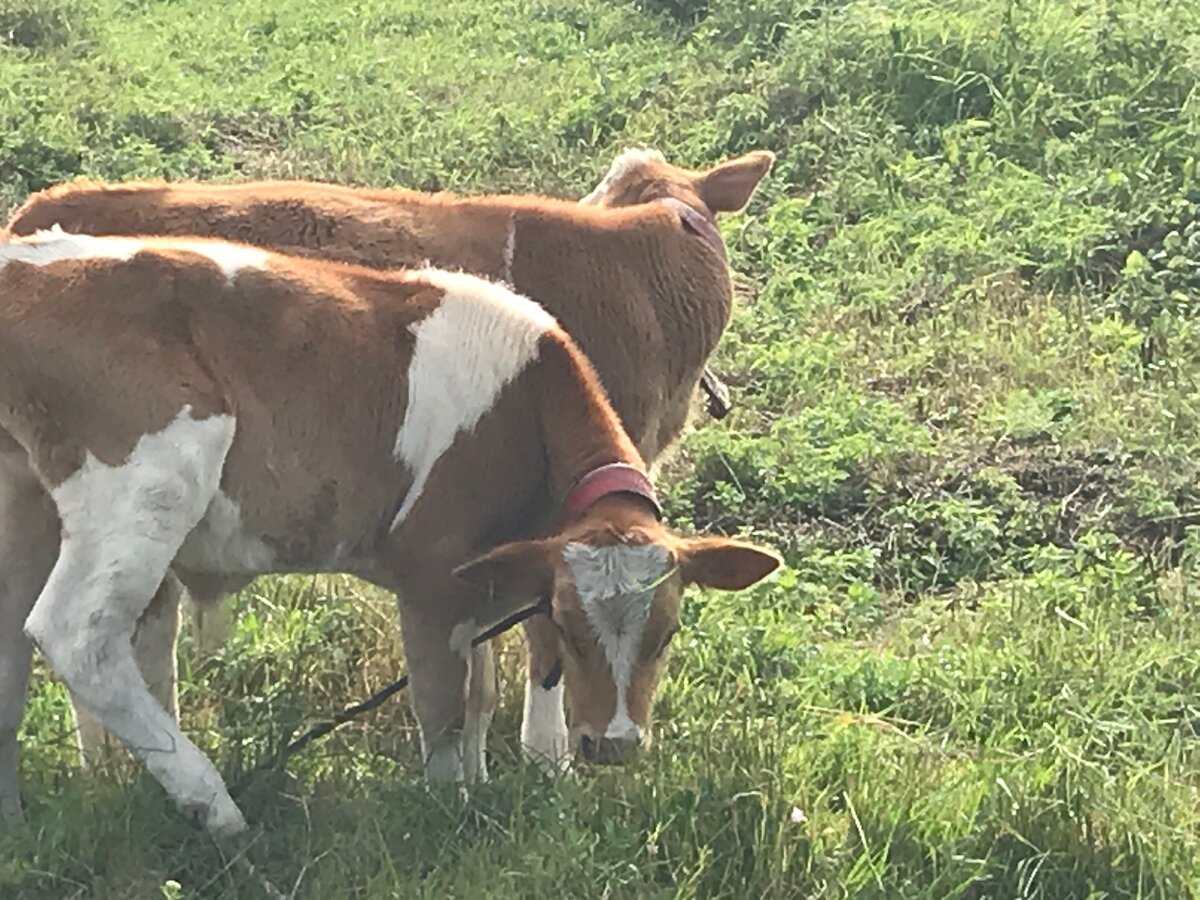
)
(221, 412)
(636, 273)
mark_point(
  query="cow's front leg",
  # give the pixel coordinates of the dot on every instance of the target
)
(544, 737)
(482, 698)
(437, 646)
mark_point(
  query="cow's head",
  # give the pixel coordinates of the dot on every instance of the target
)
(615, 586)
(643, 176)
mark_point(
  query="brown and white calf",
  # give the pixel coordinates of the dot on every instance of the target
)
(636, 273)
(222, 412)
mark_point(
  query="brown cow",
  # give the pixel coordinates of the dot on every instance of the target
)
(222, 412)
(636, 273)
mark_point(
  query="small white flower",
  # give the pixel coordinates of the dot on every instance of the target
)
(797, 816)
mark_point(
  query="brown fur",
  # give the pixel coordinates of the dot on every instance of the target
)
(310, 358)
(645, 297)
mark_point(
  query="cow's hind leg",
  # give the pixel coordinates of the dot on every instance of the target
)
(28, 547)
(154, 649)
(122, 527)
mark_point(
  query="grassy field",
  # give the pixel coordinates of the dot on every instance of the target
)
(965, 364)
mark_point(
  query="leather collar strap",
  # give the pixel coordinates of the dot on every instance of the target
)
(697, 223)
(614, 478)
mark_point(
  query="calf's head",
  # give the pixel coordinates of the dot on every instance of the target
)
(615, 590)
(643, 176)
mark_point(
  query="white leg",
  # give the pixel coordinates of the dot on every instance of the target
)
(481, 705)
(154, 645)
(154, 649)
(28, 547)
(123, 526)
(544, 736)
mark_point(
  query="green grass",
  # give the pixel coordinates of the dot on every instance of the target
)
(965, 364)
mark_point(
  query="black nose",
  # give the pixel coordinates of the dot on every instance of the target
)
(609, 751)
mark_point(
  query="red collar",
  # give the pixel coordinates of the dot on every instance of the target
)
(697, 223)
(614, 478)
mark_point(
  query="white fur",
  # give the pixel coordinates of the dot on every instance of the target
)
(627, 160)
(544, 735)
(612, 584)
(154, 650)
(481, 704)
(220, 543)
(480, 338)
(461, 636)
(122, 526)
(229, 258)
(45, 247)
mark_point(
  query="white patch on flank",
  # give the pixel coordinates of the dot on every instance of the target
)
(544, 728)
(220, 544)
(45, 247)
(510, 248)
(626, 161)
(121, 528)
(611, 584)
(480, 338)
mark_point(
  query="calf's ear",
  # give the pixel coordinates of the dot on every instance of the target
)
(729, 186)
(724, 564)
(521, 572)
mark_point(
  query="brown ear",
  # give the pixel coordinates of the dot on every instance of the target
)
(729, 186)
(724, 564)
(518, 573)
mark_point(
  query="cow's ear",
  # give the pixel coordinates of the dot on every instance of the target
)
(724, 564)
(729, 186)
(516, 574)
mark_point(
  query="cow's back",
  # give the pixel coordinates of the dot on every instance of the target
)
(646, 301)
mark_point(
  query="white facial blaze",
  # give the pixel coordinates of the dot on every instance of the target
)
(626, 160)
(480, 338)
(46, 247)
(616, 589)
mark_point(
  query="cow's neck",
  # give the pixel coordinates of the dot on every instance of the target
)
(581, 432)
(693, 303)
